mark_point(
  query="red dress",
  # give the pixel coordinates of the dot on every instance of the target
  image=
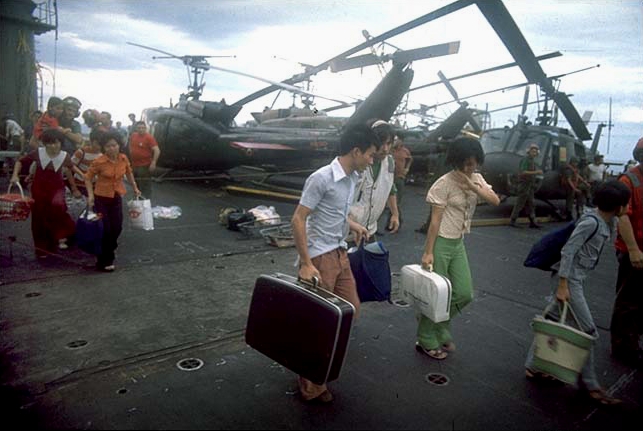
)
(50, 221)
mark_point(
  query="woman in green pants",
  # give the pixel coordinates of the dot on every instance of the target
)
(453, 198)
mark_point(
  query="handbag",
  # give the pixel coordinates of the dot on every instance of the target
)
(371, 270)
(89, 232)
(560, 350)
(140, 214)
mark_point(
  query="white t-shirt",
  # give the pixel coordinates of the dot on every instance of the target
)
(13, 128)
(596, 172)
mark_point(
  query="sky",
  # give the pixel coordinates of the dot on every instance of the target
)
(269, 38)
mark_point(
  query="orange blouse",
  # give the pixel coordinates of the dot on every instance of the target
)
(109, 175)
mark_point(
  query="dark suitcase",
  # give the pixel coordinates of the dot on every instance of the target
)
(302, 327)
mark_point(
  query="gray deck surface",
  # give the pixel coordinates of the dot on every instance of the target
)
(183, 291)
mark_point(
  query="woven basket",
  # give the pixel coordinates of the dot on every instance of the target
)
(15, 206)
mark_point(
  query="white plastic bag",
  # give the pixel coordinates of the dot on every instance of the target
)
(75, 206)
(169, 213)
(140, 214)
(265, 215)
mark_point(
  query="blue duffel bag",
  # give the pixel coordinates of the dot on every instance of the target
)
(89, 232)
(370, 267)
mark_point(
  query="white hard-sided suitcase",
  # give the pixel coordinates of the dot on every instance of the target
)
(428, 291)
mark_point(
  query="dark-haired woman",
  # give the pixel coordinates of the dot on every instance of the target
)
(453, 198)
(106, 194)
(51, 225)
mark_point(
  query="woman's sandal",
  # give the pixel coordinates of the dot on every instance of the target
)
(449, 347)
(603, 398)
(438, 353)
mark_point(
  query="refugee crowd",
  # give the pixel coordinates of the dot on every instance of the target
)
(57, 157)
(350, 193)
(342, 202)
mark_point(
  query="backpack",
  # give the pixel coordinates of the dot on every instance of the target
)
(546, 252)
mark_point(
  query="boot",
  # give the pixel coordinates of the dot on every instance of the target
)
(533, 224)
(513, 223)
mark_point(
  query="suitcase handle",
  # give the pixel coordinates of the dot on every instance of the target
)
(314, 282)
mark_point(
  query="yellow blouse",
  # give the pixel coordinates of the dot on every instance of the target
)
(458, 202)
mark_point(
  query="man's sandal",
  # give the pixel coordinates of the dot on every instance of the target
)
(438, 353)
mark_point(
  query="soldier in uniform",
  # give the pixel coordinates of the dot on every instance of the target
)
(528, 181)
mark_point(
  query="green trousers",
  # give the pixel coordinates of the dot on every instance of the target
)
(450, 260)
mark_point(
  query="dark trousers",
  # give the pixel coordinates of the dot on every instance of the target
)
(627, 317)
(112, 211)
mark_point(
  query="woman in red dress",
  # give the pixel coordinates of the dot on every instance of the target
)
(51, 225)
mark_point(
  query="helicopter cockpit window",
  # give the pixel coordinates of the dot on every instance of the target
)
(494, 140)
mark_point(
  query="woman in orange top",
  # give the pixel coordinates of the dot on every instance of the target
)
(105, 195)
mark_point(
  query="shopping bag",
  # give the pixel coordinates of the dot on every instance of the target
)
(140, 214)
(560, 350)
(89, 232)
(371, 270)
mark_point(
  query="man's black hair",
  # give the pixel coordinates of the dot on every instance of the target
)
(140, 122)
(460, 150)
(52, 135)
(610, 195)
(359, 136)
(383, 131)
(108, 136)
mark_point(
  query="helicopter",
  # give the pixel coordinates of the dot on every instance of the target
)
(201, 135)
(505, 147)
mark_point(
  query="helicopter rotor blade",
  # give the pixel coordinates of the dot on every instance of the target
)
(504, 25)
(448, 85)
(402, 56)
(525, 100)
(409, 55)
(154, 49)
(438, 13)
(285, 86)
(491, 69)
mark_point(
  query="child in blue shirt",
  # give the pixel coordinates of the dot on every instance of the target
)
(579, 256)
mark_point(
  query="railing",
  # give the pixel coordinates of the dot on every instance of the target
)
(45, 12)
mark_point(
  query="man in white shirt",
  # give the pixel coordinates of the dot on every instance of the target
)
(376, 188)
(12, 133)
(597, 172)
(320, 224)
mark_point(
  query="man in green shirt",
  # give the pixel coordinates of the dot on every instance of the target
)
(527, 184)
